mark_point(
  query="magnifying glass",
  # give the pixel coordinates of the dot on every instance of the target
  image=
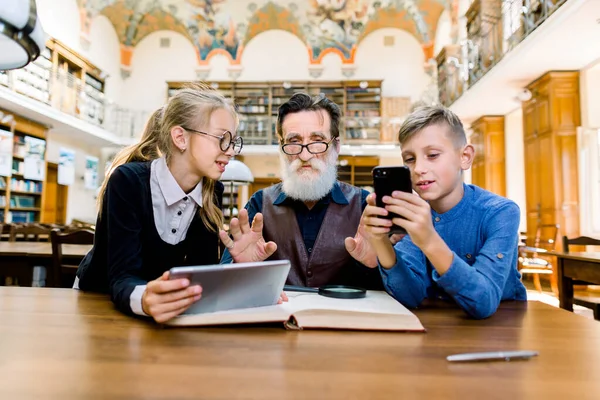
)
(335, 291)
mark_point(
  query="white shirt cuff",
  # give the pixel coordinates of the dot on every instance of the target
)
(135, 300)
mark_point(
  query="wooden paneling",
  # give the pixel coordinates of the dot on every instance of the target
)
(357, 170)
(55, 197)
(261, 183)
(550, 120)
(489, 165)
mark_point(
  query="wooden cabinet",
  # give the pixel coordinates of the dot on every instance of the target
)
(77, 84)
(357, 170)
(550, 120)
(489, 169)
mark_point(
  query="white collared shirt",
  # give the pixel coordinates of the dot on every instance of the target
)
(173, 212)
(173, 209)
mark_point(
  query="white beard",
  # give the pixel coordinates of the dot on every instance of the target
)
(311, 185)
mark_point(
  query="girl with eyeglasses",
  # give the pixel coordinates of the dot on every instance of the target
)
(160, 206)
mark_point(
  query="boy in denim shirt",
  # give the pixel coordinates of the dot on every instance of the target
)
(462, 240)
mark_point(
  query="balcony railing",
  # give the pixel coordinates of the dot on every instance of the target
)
(494, 28)
(73, 96)
(83, 98)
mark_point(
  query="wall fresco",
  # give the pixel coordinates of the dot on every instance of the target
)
(225, 26)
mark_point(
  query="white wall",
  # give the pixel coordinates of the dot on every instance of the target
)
(263, 165)
(60, 20)
(152, 66)
(442, 35)
(515, 162)
(81, 203)
(219, 65)
(332, 67)
(274, 55)
(590, 96)
(104, 52)
(588, 146)
(400, 65)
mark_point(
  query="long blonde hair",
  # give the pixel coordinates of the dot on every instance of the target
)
(189, 105)
(146, 150)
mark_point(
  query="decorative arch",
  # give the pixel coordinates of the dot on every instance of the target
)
(272, 16)
(346, 59)
(159, 20)
(420, 23)
(214, 52)
(120, 16)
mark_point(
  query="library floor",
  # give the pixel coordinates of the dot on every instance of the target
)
(548, 297)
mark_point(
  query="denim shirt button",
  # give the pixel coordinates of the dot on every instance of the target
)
(468, 256)
(500, 256)
(437, 219)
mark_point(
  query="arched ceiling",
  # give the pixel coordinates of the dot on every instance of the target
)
(225, 26)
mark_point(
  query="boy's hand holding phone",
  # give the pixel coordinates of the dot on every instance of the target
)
(416, 216)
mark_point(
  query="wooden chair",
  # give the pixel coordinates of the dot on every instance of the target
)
(532, 259)
(58, 238)
(4, 232)
(592, 302)
(29, 233)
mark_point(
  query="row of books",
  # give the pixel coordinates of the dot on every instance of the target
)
(21, 217)
(25, 185)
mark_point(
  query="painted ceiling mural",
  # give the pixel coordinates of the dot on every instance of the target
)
(226, 26)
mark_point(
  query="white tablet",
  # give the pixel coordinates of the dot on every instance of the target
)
(238, 285)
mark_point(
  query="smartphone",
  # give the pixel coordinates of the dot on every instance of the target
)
(387, 180)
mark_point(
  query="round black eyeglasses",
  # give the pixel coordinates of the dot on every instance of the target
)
(226, 140)
(293, 149)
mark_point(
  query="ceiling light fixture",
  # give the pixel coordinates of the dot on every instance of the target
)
(22, 37)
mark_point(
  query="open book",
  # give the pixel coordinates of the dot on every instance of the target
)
(377, 311)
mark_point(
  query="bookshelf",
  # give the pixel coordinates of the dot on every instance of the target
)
(33, 80)
(62, 78)
(21, 191)
(258, 104)
(78, 85)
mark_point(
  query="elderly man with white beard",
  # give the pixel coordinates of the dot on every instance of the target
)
(310, 218)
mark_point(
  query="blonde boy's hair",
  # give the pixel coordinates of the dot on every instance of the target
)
(426, 116)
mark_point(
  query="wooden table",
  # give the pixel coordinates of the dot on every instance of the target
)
(60, 343)
(575, 267)
(17, 259)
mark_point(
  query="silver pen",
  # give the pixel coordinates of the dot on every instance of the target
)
(493, 356)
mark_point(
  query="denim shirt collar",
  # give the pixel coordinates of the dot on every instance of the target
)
(459, 209)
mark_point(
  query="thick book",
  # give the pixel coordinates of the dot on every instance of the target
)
(377, 311)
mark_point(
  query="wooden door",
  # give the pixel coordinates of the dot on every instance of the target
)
(548, 206)
(262, 183)
(55, 197)
(529, 119)
(532, 184)
(478, 167)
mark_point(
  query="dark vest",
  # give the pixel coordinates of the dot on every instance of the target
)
(328, 260)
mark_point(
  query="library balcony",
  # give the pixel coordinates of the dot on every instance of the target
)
(66, 93)
(509, 43)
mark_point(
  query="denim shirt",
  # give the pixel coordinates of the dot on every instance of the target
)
(482, 232)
